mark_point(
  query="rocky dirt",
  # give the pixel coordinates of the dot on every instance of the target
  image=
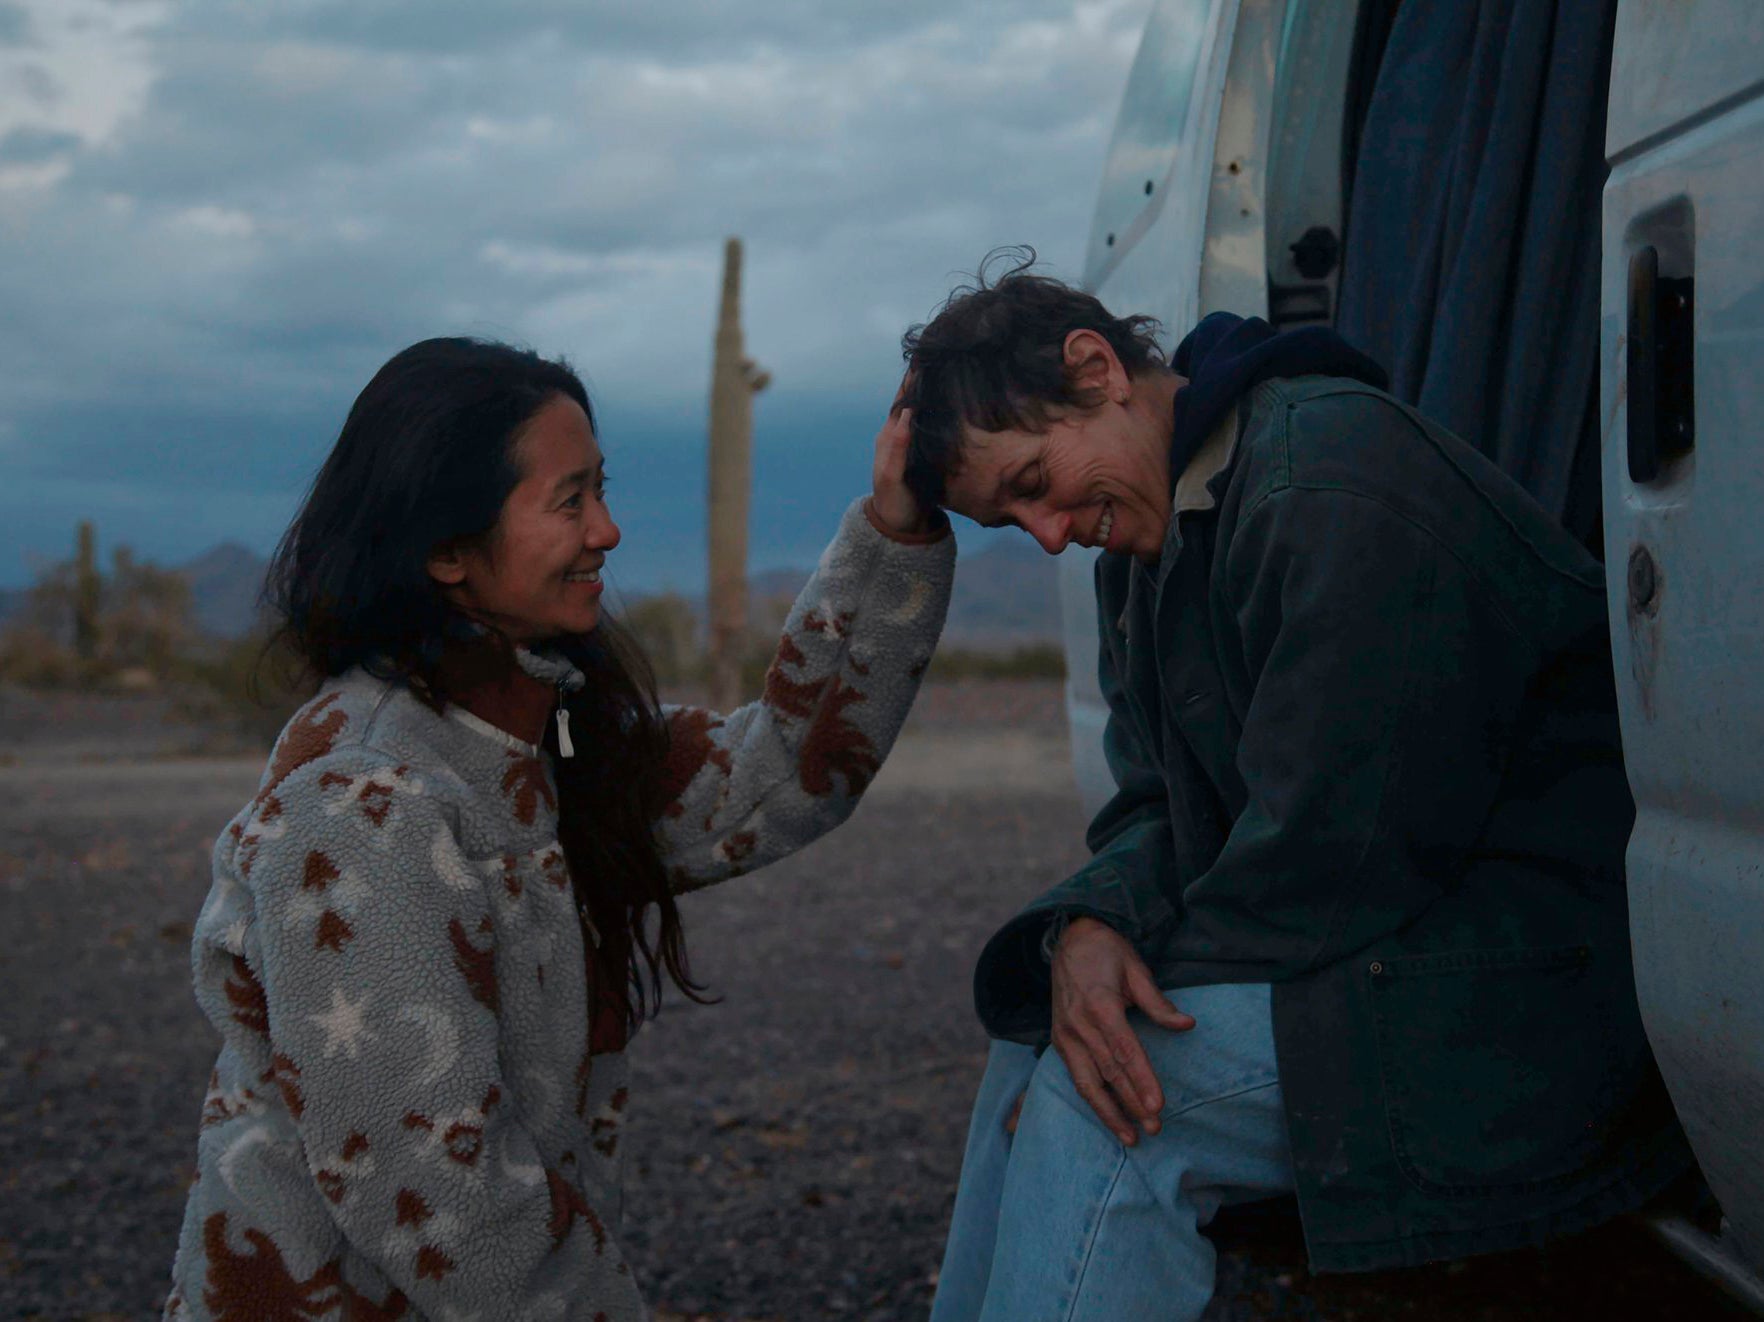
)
(795, 1147)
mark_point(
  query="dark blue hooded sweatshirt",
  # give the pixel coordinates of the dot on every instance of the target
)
(1225, 355)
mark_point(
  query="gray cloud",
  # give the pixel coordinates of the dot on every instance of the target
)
(16, 28)
(32, 145)
(304, 189)
(14, 25)
(687, 30)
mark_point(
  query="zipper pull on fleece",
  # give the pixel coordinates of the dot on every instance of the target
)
(564, 747)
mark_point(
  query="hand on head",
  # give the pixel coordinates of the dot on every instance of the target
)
(891, 501)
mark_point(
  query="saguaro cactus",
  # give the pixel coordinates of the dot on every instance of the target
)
(86, 589)
(735, 380)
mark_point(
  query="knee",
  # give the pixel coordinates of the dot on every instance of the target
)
(1054, 1100)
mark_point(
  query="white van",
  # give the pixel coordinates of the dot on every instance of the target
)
(1228, 153)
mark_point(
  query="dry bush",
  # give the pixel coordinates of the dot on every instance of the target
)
(33, 657)
(1032, 661)
(144, 618)
(142, 625)
(666, 628)
(252, 684)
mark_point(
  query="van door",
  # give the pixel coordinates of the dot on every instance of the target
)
(1179, 232)
(1681, 340)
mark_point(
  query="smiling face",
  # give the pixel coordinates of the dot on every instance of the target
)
(1095, 477)
(536, 575)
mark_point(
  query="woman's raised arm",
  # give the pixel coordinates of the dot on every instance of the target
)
(746, 788)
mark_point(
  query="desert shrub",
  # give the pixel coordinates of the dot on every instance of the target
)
(252, 683)
(78, 629)
(33, 657)
(666, 627)
(144, 618)
(1031, 661)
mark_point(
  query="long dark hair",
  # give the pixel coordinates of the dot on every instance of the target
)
(426, 459)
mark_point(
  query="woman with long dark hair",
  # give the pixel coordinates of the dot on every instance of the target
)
(434, 928)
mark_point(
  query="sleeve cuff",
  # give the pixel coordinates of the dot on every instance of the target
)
(1013, 977)
(936, 533)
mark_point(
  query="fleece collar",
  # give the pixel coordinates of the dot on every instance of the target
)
(515, 701)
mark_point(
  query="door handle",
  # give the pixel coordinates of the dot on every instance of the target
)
(1662, 367)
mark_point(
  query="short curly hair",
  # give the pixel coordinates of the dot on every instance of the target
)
(993, 359)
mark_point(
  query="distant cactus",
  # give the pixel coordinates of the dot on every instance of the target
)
(87, 591)
(735, 379)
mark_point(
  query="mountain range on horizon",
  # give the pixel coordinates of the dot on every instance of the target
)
(1006, 593)
(224, 582)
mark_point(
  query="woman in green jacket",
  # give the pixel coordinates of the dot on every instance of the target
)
(1369, 825)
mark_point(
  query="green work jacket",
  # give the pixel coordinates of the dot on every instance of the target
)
(1363, 730)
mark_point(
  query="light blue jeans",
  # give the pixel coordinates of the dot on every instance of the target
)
(1061, 1223)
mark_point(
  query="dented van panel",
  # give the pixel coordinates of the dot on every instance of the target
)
(1684, 540)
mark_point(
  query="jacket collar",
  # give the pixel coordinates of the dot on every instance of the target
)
(1213, 457)
(1192, 494)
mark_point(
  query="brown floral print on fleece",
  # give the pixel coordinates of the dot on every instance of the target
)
(412, 1104)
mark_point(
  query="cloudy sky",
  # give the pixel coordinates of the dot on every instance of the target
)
(218, 217)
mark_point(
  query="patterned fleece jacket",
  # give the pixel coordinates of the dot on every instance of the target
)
(416, 1112)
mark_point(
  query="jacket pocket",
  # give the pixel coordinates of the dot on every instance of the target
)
(1498, 1067)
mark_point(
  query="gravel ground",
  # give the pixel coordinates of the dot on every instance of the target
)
(794, 1148)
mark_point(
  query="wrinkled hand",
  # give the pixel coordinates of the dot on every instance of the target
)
(890, 500)
(1097, 977)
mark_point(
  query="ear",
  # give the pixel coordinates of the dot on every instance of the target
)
(446, 566)
(1093, 365)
